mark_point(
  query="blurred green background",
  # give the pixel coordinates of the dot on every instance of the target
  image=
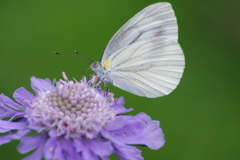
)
(200, 119)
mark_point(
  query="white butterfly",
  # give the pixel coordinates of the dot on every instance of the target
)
(144, 57)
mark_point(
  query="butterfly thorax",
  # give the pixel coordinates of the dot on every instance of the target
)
(101, 72)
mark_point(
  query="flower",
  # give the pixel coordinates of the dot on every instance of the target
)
(75, 121)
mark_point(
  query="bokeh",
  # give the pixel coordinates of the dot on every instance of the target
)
(200, 119)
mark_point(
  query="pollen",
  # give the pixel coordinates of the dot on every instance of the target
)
(106, 64)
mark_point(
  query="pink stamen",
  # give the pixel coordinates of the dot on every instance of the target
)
(94, 79)
(64, 76)
(62, 81)
(111, 95)
(27, 101)
(98, 83)
(34, 104)
(84, 80)
(116, 112)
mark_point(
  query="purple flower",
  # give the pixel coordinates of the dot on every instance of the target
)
(75, 121)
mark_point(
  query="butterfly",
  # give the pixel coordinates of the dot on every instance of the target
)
(144, 57)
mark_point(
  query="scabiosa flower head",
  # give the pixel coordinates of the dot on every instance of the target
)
(75, 121)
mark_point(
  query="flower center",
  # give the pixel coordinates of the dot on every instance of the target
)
(71, 109)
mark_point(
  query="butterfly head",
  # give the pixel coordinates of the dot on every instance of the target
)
(95, 66)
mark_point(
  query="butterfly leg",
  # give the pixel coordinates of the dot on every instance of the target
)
(85, 71)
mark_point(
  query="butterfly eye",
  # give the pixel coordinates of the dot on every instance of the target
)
(95, 65)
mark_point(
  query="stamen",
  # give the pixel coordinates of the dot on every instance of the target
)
(64, 76)
(94, 79)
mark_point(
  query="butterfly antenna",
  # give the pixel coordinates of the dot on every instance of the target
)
(74, 56)
(83, 55)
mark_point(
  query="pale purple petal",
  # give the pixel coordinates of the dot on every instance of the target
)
(6, 126)
(50, 147)
(58, 152)
(118, 122)
(19, 134)
(83, 147)
(143, 117)
(105, 158)
(78, 144)
(120, 101)
(37, 154)
(52, 133)
(35, 125)
(138, 129)
(60, 149)
(54, 150)
(101, 148)
(4, 100)
(118, 106)
(41, 85)
(152, 136)
(4, 139)
(21, 95)
(6, 111)
(125, 152)
(69, 151)
(30, 143)
(87, 154)
(7, 138)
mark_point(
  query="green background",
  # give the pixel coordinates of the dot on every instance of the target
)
(200, 119)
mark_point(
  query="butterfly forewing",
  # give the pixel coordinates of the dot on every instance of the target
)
(157, 20)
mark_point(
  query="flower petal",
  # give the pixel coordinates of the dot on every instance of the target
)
(37, 154)
(88, 155)
(4, 100)
(7, 138)
(58, 152)
(139, 129)
(8, 108)
(105, 158)
(152, 136)
(69, 150)
(60, 149)
(6, 126)
(6, 112)
(120, 109)
(127, 133)
(36, 142)
(84, 148)
(41, 85)
(118, 106)
(120, 101)
(78, 144)
(127, 152)
(143, 117)
(19, 134)
(4, 139)
(49, 148)
(21, 95)
(118, 122)
(101, 148)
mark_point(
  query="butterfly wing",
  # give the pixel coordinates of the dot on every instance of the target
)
(156, 20)
(150, 67)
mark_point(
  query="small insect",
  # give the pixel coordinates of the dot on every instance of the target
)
(144, 57)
